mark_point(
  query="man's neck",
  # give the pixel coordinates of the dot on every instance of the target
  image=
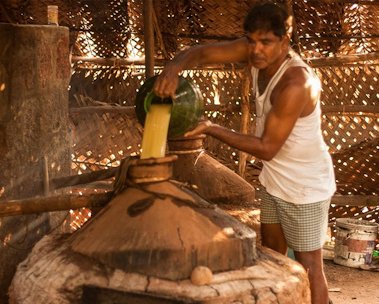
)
(273, 68)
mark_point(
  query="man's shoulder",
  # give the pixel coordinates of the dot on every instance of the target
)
(295, 75)
(298, 79)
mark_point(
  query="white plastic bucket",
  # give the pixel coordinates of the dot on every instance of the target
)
(355, 242)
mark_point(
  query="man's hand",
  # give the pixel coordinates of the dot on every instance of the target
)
(166, 83)
(201, 128)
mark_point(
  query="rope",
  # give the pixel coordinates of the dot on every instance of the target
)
(121, 179)
(187, 151)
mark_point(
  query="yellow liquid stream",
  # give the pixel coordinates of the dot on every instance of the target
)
(155, 132)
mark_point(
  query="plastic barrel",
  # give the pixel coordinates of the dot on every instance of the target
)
(187, 106)
(355, 242)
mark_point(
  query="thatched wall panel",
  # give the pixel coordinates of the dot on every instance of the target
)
(350, 85)
(318, 25)
(360, 22)
(109, 85)
(115, 29)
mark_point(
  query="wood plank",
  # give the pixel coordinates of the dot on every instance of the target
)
(53, 203)
(148, 37)
(102, 109)
(112, 61)
(245, 119)
(351, 2)
(356, 200)
(340, 60)
(85, 178)
(314, 62)
(326, 109)
(130, 110)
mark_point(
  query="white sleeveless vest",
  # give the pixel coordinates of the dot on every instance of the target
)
(302, 171)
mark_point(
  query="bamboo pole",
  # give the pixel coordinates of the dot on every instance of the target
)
(341, 60)
(159, 36)
(148, 37)
(46, 179)
(346, 109)
(350, 2)
(326, 109)
(355, 200)
(295, 35)
(53, 203)
(314, 62)
(110, 61)
(85, 178)
(103, 109)
(245, 119)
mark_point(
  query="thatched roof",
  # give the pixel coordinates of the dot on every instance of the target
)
(323, 28)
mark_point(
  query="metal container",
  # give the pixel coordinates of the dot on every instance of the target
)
(355, 242)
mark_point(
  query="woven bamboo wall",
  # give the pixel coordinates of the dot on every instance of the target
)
(325, 30)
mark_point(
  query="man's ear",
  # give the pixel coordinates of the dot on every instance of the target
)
(286, 40)
(289, 27)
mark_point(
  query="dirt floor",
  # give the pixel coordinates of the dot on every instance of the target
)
(352, 286)
(346, 285)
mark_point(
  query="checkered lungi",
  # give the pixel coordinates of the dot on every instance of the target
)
(304, 225)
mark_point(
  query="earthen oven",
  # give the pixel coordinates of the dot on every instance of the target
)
(157, 241)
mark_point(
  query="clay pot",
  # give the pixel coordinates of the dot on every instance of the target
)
(187, 107)
(158, 227)
(208, 177)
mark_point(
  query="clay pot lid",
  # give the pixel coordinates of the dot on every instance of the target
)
(179, 144)
(151, 169)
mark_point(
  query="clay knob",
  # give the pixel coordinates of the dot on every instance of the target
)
(201, 275)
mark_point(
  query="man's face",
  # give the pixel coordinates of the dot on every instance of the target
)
(265, 48)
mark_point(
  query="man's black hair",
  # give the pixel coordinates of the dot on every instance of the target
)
(268, 16)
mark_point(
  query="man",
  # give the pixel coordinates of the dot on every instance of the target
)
(297, 172)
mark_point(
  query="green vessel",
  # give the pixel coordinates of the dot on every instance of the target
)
(187, 106)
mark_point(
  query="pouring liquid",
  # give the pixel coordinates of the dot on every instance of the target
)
(154, 138)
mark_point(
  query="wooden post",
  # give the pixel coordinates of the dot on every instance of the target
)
(295, 36)
(149, 37)
(84, 178)
(53, 203)
(245, 119)
(34, 75)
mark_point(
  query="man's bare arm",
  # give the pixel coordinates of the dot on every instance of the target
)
(282, 117)
(222, 52)
(286, 109)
